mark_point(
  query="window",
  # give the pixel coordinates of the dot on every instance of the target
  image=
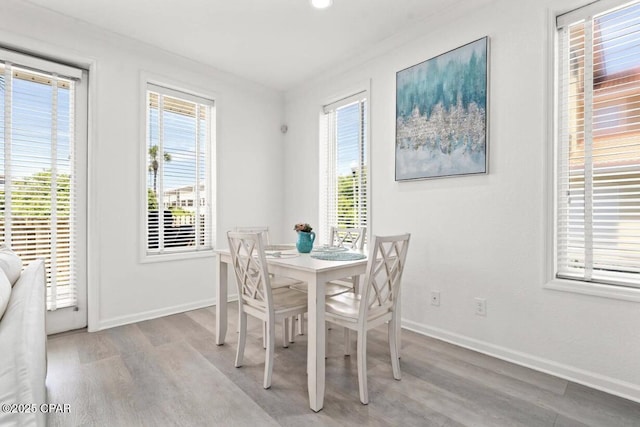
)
(344, 171)
(178, 165)
(598, 145)
(42, 180)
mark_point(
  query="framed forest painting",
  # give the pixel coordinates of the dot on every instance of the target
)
(441, 115)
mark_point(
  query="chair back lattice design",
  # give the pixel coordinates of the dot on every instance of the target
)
(256, 229)
(352, 238)
(250, 266)
(387, 257)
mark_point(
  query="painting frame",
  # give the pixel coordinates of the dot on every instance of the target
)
(442, 106)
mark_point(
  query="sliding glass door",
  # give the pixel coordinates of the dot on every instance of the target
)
(43, 127)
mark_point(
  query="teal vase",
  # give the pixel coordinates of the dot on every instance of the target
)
(305, 241)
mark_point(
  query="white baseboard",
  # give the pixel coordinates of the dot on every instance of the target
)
(591, 379)
(154, 314)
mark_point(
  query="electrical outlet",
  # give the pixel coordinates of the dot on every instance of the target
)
(481, 306)
(435, 298)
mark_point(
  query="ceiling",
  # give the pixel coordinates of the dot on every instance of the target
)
(278, 43)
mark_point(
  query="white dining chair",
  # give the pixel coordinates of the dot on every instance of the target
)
(256, 296)
(276, 283)
(351, 238)
(378, 302)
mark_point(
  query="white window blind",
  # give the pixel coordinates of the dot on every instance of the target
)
(343, 166)
(598, 144)
(38, 180)
(178, 148)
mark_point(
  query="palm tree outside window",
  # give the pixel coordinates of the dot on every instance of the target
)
(178, 145)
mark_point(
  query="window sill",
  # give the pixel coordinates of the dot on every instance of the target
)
(594, 289)
(176, 256)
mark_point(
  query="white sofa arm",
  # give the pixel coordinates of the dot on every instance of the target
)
(23, 340)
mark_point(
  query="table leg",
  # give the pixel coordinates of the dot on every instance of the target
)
(356, 284)
(221, 302)
(316, 344)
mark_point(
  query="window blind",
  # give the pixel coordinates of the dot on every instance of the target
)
(343, 168)
(598, 150)
(38, 184)
(178, 147)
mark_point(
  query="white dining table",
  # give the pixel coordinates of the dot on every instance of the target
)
(316, 273)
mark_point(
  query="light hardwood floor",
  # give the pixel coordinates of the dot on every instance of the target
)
(169, 372)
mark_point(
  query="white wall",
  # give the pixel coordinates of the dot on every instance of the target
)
(480, 236)
(122, 289)
(477, 236)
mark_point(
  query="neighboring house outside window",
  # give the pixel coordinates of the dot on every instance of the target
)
(179, 168)
(597, 230)
(344, 170)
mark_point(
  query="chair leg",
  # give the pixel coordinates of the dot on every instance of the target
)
(301, 324)
(285, 332)
(347, 342)
(264, 335)
(292, 329)
(242, 338)
(362, 366)
(393, 348)
(269, 353)
(397, 316)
